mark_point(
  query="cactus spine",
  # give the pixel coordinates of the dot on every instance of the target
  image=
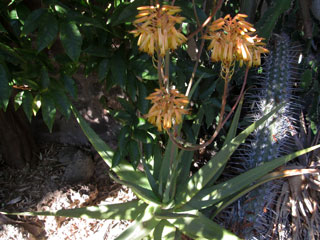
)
(276, 84)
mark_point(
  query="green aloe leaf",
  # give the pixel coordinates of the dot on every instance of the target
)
(141, 227)
(71, 39)
(145, 194)
(169, 155)
(152, 181)
(269, 177)
(164, 230)
(125, 170)
(120, 211)
(48, 32)
(212, 195)
(207, 172)
(231, 134)
(201, 227)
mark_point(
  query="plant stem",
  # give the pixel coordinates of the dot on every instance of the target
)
(159, 69)
(166, 70)
(214, 11)
(191, 147)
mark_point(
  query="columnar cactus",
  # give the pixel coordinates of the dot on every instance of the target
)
(271, 140)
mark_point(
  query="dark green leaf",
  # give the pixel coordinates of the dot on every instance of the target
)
(48, 110)
(131, 87)
(125, 12)
(134, 153)
(118, 69)
(306, 79)
(71, 39)
(210, 113)
(27, 104)
(269, 19)
(5, 90)
(10, 54)
(69, 85)
(104, 68)
(142, 135)
(45, 80)
(123, 138)
(143, 103)
(33, 21)
(48, 32)
(85, 20)
(62, 102)
(126, 105)
(23, 12)
(98, 51)
(116, 158)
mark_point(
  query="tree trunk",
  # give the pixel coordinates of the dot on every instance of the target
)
(16, 140)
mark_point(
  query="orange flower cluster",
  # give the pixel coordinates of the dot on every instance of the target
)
(167, 108)
(232, 39)
(156, 29)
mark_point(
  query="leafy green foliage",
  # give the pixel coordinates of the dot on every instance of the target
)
(269, 20)
(44, 47)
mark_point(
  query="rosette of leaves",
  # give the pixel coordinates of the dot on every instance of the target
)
(170, 202)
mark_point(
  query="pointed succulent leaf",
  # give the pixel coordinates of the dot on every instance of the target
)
(120, 211)
(141, 227)
(212, 195)
(201, 227)
(207, 172)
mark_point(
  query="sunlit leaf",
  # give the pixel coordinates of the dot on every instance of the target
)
(121, 211)
(71, 39)
(202, 227)
(27, 104)
(48, 110)
(208, 171)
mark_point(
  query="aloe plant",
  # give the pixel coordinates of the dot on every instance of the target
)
(165, 208)
(170, 201)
